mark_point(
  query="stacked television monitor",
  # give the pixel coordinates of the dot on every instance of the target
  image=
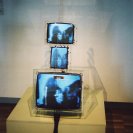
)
(58, 92)
(59, 57)
(58, 89)
(60, 33)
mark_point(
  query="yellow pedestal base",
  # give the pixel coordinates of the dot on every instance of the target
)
(21, 121)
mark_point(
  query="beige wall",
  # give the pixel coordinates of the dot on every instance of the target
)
(104, 36)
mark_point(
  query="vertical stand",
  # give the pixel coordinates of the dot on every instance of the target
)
(56, 122)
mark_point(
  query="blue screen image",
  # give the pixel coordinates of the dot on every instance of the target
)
(60, 33)
(59, 57)
(58, 91)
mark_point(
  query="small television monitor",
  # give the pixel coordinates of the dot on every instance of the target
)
(57, 91)
(60, 33)
(59, 57)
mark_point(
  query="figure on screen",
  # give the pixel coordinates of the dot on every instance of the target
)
(59, 92)
(72, 95)
(59, 57)
(59, 98)
(54, 96)
(57, 35)
(60, 33)
(68, 35)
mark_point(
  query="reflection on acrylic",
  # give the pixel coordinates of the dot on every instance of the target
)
(58, 91)
(60, 33)
(59, 57)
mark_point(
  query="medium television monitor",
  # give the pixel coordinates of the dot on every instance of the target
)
(60, 92)
(60, 33)
(59, 57)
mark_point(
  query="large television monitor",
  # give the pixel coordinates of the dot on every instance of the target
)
(60, 33)
(59, 57)
(58, 92)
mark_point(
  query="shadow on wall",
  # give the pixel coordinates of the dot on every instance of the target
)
(97, 83)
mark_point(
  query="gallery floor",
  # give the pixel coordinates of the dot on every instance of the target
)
(119, 117)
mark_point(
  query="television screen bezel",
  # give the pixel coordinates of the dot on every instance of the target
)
(66, 58)
(52, 43)
(49, 112)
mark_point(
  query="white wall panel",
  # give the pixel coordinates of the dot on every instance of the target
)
(104, 36)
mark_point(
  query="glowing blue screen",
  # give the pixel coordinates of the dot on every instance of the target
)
(60, 33)
(59, 57)
(58, 91)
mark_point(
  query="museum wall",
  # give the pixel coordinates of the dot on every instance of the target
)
(103, 39)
